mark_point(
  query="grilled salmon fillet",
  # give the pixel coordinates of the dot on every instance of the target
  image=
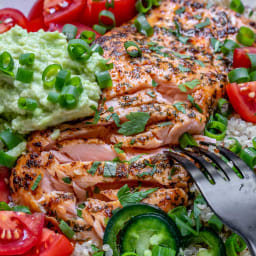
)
(90, 160)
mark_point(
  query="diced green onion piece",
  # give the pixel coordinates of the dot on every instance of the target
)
(229, 46)
(143, 26)
(69, 97)
(69, 31)
(252, 57)
(78, 49)
(109, 4)
(27, 104)
(234, 245)
(132, 49)
(140, 6)
(53, 97)
(220, 118)
(76, 81)
(7, 160)
(88, 35)
(245, 36)
(105, 65)
(237, 6)
(234, 146)
(215, 223)
(104, 79)
(49, 75)
(252, 76)
(186, 139)
(36, 182)
(27, 59)
(254, 142)
(6, 61)
(131, 254)
(10, 139)
(162, 251)
(107, 15)
(249, 156)
(238, 75)
(219, 127)
(61, 79)
(24, 75)
(66, 229)
(97, 48)
(100, 29)
(224, 107)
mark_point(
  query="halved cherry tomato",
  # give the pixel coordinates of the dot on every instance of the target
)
(123, 10)
(241, 59)
(4, 188)
(62, 11)
(243, 99)
(9, 17)
(19, 231)
(51, 244)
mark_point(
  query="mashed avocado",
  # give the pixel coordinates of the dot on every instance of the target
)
(49, 48)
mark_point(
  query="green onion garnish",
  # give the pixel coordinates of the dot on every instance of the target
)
(7, 160)
(36, 182)
(143, 26)
(203, 24)
(97, 48)
(252, 76)
(69, 97)
(245, 36)
(88, 35)
(252, 57)
(141, 8)
(249, 156)
(100, 29)
(229, 46)
(234, 245)
(27, 104)
(6, 62)
(234, 145)
(132, 49)
(53, 97)
(10, 139)
(69, 31)
(24, 75)
(254, 142)
(215, 223)
(238, 75)
(237, 6)
(76, 81)
(215, 130)
(66, 229)
(67, 180)
(61, 79)
(163, 251)
(110, 16)
(224, 107)
(186, 139)
(78, 49)
(104, 79)
(220, 118)
(49, 75)
(27, 59)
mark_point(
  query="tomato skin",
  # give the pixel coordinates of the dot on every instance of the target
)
(51, 244)
(36, 24)
(124, 10)
(30, 227)
(17, 18)
(36, 10)
(66, 14)
(241, 60)
(244, 105)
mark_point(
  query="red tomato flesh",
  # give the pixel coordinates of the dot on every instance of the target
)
(51, 244)
(62, 11)
(241, 59)
(19, 231)
(9, 17)
(243, 99)
(123, 10)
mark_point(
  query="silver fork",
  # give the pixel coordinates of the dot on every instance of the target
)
(232, 199)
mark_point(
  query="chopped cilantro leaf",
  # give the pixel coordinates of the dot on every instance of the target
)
(198, 17)
(182, 56)
(151, 94)
(94, 167)
(203, 24)
(96, 115)
(154, 83)
(216, 44)
(110, 109)
(116, 119)
(150, 173)
(192, 100)
(134, 159)
(192, 84)
(67, 180)
(199, 62)
(183, 39)
(36, 183)
(109, 169)
(164, 124)
(118, 149)
(180, 10)
(183, 69)
(179, 107)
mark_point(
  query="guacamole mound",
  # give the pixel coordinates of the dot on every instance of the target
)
(49, 48)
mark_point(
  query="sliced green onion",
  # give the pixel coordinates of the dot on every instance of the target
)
(66, 229)
(234, 146)
(245, 36)
(88, 35)
(254, 142)
(229, 46)
(234, 245)
(53, 97)
(24, 75)
(7, 160)
(109, 15)
(105, 65)
(131, 254)
(97, 48)
(104, 79)
(61, 79)
(252, 76)
(69, 97)
(156, 2)
(69, 31)
(100, 29)
(143, 26)
(237, 6)
(132, 49)
(76, 81)
(186, 139)
(49, 75)
(6, 61)
(252, 57)
(27, 104)
(27, 59)
(78, 49)
(215, 223)
(215, 130)
(220, 118)
(10, 139)
(140, 6)
(249, 156)
(36, 182)
(224, 107)
(162, 251)
(239, 75)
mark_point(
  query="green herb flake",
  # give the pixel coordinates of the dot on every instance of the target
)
(136, 124)
(4, 207)
(183, 39)
(151, 94)
(132, 141)
(154, 83)
(79, 213)
(110, 109)
(164, 124)
(183, 69)
(203, 24)
(135, 159)
(216, 44)
(198, 17)
(116, 119)
(66, 229)
(150, 173)
(36, 183)
(17, 208)
(200, 63)
(117, 148)
(192, 100)
(94, 167)
(96, 115)
(182, 56)
(192, 84)
(179, 107)
(109, 169)
(67, 180)
(180, 10)
(209, 5)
